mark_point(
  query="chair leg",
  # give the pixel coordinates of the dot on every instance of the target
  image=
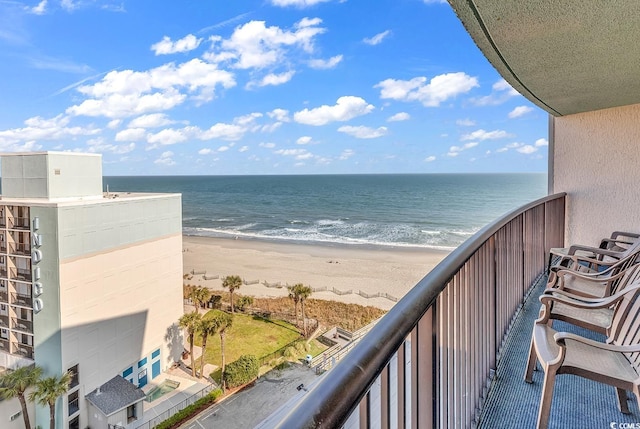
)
(546, 398)
(531, 363)
(622, 400)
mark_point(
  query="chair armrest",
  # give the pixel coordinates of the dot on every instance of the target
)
(596, 250)
(616, 234)
(607, 302)
(561, 337)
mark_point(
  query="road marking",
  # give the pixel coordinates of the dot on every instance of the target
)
(200, 424)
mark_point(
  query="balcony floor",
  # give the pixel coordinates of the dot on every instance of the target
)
(577, 402)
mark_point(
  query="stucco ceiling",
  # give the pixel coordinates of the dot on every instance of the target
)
(567, 56)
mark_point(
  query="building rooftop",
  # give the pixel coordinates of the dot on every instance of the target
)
(115, 395)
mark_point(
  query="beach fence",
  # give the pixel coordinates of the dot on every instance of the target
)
(153, 421)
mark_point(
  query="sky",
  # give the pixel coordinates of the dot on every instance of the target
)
(260, 87)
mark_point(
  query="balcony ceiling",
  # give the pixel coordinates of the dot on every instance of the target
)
(566, 56)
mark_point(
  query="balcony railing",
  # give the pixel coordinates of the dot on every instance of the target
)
(4, 296)
(19, 223)
(20, 249)
(22, 274)
(73, 406)
(23, 300)
(23, 350)
(428, 362)
(4, 321)
(4, 345)
(22, 325)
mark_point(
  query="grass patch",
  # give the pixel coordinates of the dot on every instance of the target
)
(249, 335)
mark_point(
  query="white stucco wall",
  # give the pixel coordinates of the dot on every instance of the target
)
(596, 161)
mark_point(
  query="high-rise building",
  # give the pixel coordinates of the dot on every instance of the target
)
(90, 282)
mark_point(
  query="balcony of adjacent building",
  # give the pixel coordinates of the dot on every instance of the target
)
(21, 349)
(452, 353)
(22, 325)
(22, 299)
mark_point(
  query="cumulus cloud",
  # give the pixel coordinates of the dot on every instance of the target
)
(527, 149)
(541, 142)
(243, 149)
(131, 135)
(430, 158)
(347, 107)
(39, 9)
(129, 93)
(169, 136)
(204, 151)
(456, 150)
(267, 145)
(362, 132)
(304, 140)
(299, 154)
(346, 154)
(325, 64)
(519, 111)
(280, 115)
(153, 120)
(38, 129)
(254, 45)
(167, 46)
(166, 158)
(402, 116)
(501, 92)
(276, 79)
(377, 39)
(485, 135)
(98, 145)
(439, 89)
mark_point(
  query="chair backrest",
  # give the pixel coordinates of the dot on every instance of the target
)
(631, 273)
(625, 328)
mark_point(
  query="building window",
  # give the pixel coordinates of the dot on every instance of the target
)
(74, 423)
(132, 413)
(75, 376)
(74, 404)
(4, 334)
(127, 372)
(155, 354)
(142, 362)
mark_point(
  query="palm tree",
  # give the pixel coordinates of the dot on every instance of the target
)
(48, 390)
(189, 322)
(295, 296)
(232, 283)
(199, 296)
(15, 383)
(207, 326)
(225, 321)
(303, 292)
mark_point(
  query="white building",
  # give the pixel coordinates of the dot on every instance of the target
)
(90, 282)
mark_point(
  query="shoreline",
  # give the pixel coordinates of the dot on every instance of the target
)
(370, 270)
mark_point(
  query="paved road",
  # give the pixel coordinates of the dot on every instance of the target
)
(248, 408)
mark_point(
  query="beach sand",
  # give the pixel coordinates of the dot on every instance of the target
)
(370, 270)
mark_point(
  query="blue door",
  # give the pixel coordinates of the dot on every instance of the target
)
(155, 369)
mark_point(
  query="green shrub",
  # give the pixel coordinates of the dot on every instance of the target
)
(242, 371)
(244, 302)
(190, 411)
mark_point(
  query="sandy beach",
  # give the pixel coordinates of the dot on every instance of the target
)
(345, 268)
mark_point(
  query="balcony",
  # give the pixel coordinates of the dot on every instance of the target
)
(23, 300)
(4, 345)
(22, 325)
(20, 249)
(22, 274)
(431, 361)
(4, 321)
(23, 350)
(21, 223)
(4, 296)
(74, 406)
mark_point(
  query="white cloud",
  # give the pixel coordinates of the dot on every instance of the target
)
(128, 93)
(169, 136)
(439, 89)
(153, 120)
(280, 115)
(299, 154)
(297, 3)
(346, 154)
(98, 145)
(455, 150)
(527, 149)
(347, 107)
(465, 122)
(254, 45)
(362, 132)
(401, 116)
(166, 158)
(223, 131)
(502, 92)
(276, 79)
(304, 140)
(519, 111)
(430, 158)
(39, 9)
(204, 151)
(269, 128)
(541, 142)
(112, 125)
(38, 129)
(267, 145)
(223, 148)
(243, 149)
(166, 46)
(131, 135)
(485, 135)
(377, 39)
(325, 64)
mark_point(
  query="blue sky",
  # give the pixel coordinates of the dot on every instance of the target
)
(260, 87)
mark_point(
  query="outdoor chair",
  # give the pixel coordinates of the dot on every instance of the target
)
(615, 362)
(596, 284)
(616, 247)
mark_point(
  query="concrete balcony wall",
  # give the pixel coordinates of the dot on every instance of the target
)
(595, 159)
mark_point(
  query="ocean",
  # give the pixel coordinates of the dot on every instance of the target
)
(437, 211)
